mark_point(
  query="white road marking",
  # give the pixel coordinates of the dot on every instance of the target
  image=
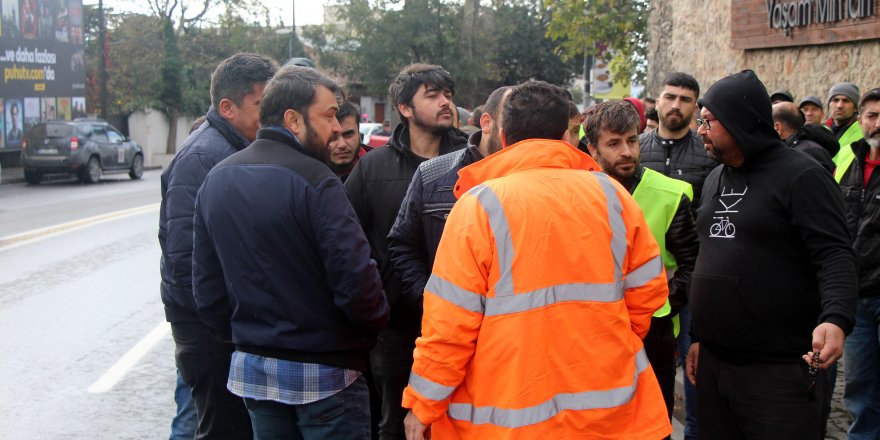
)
(130, 359)
(16, 240)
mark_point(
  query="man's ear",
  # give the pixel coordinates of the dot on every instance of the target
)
(566, 135)
(226, 109)
(485, 124)
(503, 138)
(405, 111)
(294, 122)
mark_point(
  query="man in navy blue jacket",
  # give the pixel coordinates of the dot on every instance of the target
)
(282, 268)
(232, 123)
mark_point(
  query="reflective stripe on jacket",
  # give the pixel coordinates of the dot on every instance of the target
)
(543, 286)
(844, 157)
(659, 197)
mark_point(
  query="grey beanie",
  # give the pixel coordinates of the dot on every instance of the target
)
(848, 89)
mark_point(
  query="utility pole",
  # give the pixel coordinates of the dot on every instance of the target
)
(102, 60)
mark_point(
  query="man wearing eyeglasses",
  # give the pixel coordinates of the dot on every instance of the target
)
(774, 260)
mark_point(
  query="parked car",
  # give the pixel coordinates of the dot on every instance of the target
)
(369, 136)
(87, 148)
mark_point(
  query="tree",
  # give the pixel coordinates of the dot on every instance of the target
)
(482, 46)
(589, 27)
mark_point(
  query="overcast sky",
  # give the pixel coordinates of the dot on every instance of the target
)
(307, 11)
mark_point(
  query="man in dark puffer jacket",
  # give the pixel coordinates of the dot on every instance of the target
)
(202, 358)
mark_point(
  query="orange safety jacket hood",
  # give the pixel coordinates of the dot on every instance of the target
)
(523, 155)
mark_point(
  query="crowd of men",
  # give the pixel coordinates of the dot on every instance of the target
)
(525, 280)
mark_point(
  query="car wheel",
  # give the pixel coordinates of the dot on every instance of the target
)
(92, 171)
(33, 177)
(137, 167)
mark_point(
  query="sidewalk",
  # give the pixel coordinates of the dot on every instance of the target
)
(11, 175)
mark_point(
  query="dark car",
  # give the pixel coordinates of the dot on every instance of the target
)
(85, 148)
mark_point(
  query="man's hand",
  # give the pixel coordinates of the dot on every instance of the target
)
(828, 341)
(692, 361)
(414, 428)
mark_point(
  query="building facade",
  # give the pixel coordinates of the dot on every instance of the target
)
(804, 46)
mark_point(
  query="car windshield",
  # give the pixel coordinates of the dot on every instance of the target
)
(52, 130)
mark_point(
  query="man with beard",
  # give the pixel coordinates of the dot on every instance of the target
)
(347, 148)
(422, 95)
(775, 277)
(613, 135)
(282, 268)
(844, 120)
(677, 151)
(860, 183)
(416, 233)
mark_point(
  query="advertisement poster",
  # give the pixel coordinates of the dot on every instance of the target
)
(14, 123)
(43, 63)
(602, 85)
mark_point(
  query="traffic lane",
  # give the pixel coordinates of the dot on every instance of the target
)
(71, 305)
(26, 207)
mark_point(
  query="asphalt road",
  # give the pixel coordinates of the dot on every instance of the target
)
(85, 350)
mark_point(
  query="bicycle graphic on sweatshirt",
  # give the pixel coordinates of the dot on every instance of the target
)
(723, 227)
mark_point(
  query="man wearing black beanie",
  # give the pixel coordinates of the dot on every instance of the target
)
(775, 259)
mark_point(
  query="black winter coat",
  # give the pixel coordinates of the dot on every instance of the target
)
(414, 238)
(376, 188)
(683, 159)
(214, 141)
(863, 219)
(285, 272)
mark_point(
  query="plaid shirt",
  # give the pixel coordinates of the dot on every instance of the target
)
(289, 382)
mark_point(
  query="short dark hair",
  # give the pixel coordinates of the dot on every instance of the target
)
(237, 75)
(477, 114)
(652, 115)
(651, 100)
(872, 95)
(346, 110)
(681, 79)
(788, 115)
(573, 111)
(614, 116)
(493, 102)
(408, 81)
(535, 110)
(293, 88)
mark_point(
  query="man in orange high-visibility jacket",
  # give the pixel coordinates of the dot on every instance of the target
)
(543, 286)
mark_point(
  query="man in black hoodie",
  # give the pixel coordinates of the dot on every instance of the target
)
(377, 185)
(775, 259)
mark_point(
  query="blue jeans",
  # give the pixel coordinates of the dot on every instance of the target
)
(344, 415)
(690, 393)
(185, 421)
(862, 369)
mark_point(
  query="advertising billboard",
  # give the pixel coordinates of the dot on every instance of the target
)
(43, 64)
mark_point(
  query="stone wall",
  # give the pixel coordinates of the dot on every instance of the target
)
(694, 37)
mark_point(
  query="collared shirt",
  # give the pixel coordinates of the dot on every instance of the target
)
(288, 382)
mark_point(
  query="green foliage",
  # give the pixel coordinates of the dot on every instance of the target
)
(486, 47)
(588, 27)
(170, 85)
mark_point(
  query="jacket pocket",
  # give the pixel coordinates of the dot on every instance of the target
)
(721, 313)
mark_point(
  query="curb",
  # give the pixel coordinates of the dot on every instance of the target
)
(20, 179)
